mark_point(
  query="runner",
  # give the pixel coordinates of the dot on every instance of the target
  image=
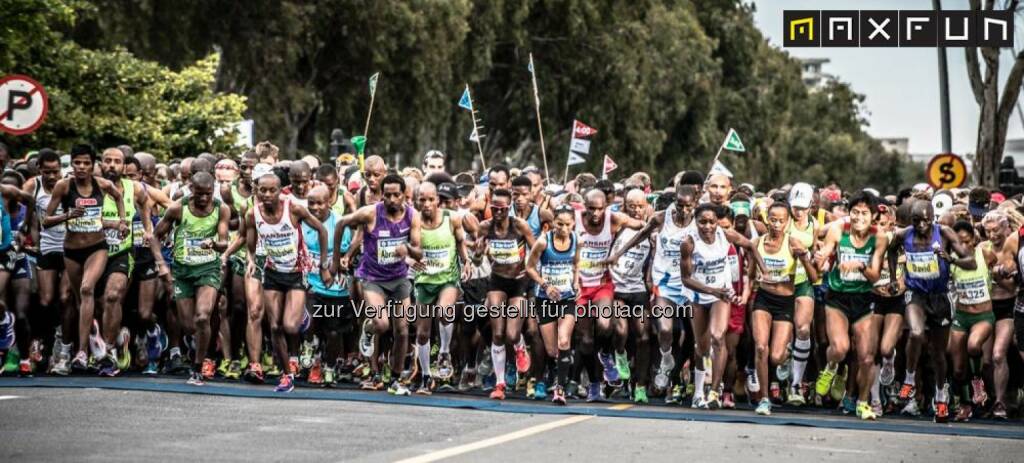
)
(554, 268)
(391, 232)
(773, 308)
(974, 322)
(888, 306)
(738, 312)
(504, 238)
(631, 277)
(274, 224)
(927, 297)
(15, 212)
(437, 281)
(120, 258)
(81, 197)
(200, 226)
(706, 275)
(858, 248)
(802, 226)
(332, 309)
(998, 229)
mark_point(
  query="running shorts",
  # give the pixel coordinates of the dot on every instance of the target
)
(937, 309)
(885, 305)
(396, 290)
(281, 281)
(854, 306)
(189, 277)
(963, 321)
(779, 307)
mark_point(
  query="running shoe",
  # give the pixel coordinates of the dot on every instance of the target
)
(156, 343)
(611, 374)
(558, 396)
(97, 347)
(254, 374)
(752, 384)
(499, 392)
(795, 398)
(330, 378)
(963, 413)
(316, 374)
(698, 402)
(941, 411)
(35, 351)
(531, 388)
(906, 392)
(824, 382)
(80, 362)
(712, 402)
(764, 407)
(848, 406)
(445, 385)
(838, 390)
(640, 395)
(887, 374)
(486, 366)
(293, 366)
(622, 366)
(306, 355)
(444, 366)
(728, 401)
(594, 392)
(675, 396)
(7, 331)
(911, 408)
(661, 379)
(368, 384)
(54, 352)
(466, 379)
(865, 412)
(13, 357)
(195, 379)
(286, 384)
(124, 351)
(151, 369)
(424, 388)
(141, 353)
(208, 369)
(782, 371)
(999, 411)
(573, 389)
(175, 365)
(876, 407)
(62, 365)
(980, 396)
(522, 358)
(25, 368)
(540, 391)
(234, 370)
(222, 367)
(511, 375)
(775, 392)
(307, 321)
(268, 362)
(366, 338)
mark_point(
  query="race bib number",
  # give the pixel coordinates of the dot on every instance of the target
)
(972, 291)
(847, 255)
(559, 276)
(137, 232)
(436, 260)
(504, 252)
(590, 261)
(712, 273)
(923, 265)
(90, 222)
(279, 248)
(734, 267)
(387, 250)
(195, 253)
(776, 270)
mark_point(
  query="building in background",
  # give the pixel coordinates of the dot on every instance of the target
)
(812, 74)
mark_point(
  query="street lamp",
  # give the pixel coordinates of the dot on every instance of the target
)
(337, 140)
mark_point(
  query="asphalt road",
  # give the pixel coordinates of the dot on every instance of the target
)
(88, 424)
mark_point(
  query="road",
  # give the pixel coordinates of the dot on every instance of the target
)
(43, 424)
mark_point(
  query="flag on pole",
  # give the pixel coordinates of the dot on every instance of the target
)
(720, 168)
(474, 137)
(732, 142)
(466, 102)
(575, 159)
(581, 130)
(609, 165)
(529, 67)
(373, 84)
(579, 146)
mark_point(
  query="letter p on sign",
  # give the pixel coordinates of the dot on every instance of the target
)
(23, 105)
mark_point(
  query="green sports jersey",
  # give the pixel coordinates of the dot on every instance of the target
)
(439, 254)
(190, 234)
(116, 245)
(852, 282)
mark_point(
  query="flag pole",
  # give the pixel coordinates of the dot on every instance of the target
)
(366, 129)
(540, 127)
(480, 149)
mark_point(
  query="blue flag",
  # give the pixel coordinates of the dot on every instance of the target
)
(465, 101)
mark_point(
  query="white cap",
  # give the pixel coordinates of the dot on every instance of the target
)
(873, 191)
(801, 195)
(942, 203)
(922, 188)
(260, 170)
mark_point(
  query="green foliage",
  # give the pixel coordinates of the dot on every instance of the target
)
(112, 97)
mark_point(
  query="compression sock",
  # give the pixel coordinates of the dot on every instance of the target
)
(801, 352)
(446, 336)
(498, 359)
(563, 368)
(423, 353)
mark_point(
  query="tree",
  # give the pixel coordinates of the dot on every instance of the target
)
(995, 109)
(111, 97)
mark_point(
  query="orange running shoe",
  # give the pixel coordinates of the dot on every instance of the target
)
(293, 366)
(316, 375)
(906, 392)
(255, 373)
(209, 368)
(941, 412)
(499, 392)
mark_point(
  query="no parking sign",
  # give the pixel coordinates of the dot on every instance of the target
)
(23, 104)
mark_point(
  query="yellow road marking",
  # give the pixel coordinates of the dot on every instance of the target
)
(621, 407)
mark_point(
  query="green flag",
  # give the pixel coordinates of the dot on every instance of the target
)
(732, 142)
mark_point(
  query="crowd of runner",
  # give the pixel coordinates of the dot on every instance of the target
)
(697, 292)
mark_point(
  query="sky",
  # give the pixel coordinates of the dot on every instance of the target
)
(901, 85)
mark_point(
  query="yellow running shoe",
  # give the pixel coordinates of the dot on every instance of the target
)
(865, 412)
(825, 378)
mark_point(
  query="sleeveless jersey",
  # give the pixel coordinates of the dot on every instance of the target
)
(806, 238)
(533, 220)
(926, 272)
(282, 242)
(628, 271)
(440, 256)
(594, 248)
(312, 240)
(710, 261)
(92, 220)
(506, 250)
(852, 282)
(115, 244)
(190, 234)
(973, 286)
(665, 266)
(50, 239)
(380, 260)
(556, 268)
(781, 266)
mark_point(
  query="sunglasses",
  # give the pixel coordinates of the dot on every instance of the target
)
(498, 208)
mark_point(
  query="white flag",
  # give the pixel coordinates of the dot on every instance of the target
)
(720, 168)
(474, 137)
(580, 146)
(575, 159)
